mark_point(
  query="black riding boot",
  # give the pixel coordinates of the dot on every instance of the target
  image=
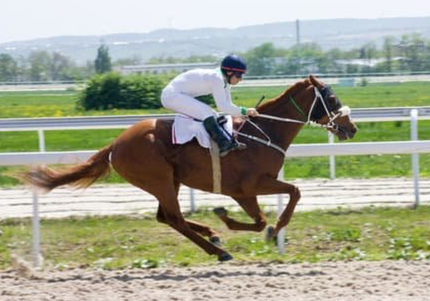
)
(221, 137)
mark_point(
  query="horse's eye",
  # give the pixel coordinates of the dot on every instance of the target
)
(332, 101)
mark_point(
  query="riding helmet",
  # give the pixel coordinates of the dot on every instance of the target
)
(233, 63)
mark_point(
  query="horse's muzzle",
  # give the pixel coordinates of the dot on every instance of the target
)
(343, 133)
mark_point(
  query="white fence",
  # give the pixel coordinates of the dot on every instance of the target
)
(413, 147)
(42, 124)
(295, 150)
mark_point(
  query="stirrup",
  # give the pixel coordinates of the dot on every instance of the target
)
(241, 146)
(232, 146)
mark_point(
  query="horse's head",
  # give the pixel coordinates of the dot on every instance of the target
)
(329, 111)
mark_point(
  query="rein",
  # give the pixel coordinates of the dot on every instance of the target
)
(329, 125)
(264, 142)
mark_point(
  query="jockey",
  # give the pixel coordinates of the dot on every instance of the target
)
(179, 96)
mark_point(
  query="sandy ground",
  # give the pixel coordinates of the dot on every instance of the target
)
(387, 280)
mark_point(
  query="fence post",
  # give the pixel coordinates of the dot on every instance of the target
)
(280, 239)
(41, 135)
(35, 219)
(36, 232)
(192, 201)
(415, 157)
(332, 158)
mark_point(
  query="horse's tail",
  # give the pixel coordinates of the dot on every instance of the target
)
(78, 176)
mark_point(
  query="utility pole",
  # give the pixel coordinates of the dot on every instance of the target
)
(299, 63)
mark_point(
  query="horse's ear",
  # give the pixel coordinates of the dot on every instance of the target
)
(315, 81)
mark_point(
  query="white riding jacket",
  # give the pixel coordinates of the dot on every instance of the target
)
(200, 82)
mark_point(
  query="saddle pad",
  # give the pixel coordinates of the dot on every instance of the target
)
(184, 129)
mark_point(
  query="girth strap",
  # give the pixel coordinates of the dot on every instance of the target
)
(216, 167)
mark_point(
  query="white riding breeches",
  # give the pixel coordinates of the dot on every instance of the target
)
(186, 105)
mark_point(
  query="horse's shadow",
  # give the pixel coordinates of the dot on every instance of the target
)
(169, 275)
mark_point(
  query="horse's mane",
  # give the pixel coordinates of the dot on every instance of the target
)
(290, 91)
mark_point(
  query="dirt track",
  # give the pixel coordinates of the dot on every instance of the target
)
(344, 281)
(125, 199)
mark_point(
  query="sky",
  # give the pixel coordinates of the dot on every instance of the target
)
(31, 19)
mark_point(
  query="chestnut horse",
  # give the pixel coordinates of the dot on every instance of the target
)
(145, 156)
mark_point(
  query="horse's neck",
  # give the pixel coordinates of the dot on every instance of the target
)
(283, 133)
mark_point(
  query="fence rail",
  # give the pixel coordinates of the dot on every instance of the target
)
(295, 151)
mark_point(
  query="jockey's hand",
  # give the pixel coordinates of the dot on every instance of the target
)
(251, 112)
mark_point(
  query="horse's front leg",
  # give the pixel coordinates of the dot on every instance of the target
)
(273, 186)
(251, 207)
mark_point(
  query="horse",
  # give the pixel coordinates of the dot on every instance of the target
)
(146, 157)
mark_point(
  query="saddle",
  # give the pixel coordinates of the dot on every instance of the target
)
(185, 129)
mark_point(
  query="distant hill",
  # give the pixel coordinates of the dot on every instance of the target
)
(340, 33)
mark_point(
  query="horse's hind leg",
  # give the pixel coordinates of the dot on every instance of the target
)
(199, 228)
(251, 207)
(172, 215)
(151, 172)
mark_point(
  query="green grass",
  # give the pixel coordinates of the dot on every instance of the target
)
(37, 104)
(49, 104)
(373, 95)
(58, 104)
(141, 242)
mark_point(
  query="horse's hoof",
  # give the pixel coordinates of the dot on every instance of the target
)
(220, 211)
(225, 257)
(215, 240)
(270, 234)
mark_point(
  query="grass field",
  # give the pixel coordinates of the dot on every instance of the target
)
(121, 242)
(50, 104)
(57, 104)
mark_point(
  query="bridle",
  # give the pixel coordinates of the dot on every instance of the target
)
(309, 120)
(343, 111)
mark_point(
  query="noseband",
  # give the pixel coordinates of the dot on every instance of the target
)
(323, 94)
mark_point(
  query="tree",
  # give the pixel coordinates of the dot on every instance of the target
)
(103, 63)
(40, 66)
(61, 67)
(135, 60)
(303, 58)
(112, 90)
(388, 50)
(426, 56)
(176, 60)
(413, 50)
(368, 52)
(260, 59)
(8, 68)
(328, 61)
(164, 60)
